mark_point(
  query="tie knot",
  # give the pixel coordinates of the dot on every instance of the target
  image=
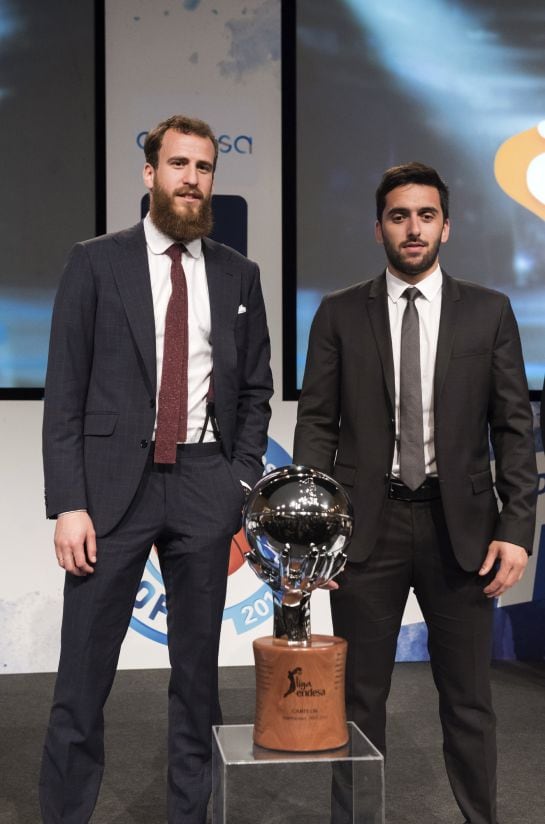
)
(411, 293)
(175, 252)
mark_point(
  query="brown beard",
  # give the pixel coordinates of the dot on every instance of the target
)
(406, 267)
(185, 227)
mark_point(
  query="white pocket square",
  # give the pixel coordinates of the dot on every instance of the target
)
(241, 309)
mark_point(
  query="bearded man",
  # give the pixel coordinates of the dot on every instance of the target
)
(156, 412)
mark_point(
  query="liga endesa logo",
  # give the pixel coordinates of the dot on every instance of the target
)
(519, 168)
(302, 688)
(255, 607)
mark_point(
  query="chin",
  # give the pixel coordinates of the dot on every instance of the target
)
(182, 208)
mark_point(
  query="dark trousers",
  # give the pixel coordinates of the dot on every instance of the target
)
(190, 512)
(414, 551)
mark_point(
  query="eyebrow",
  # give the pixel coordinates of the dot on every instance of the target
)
(178, 158)
(404, 211)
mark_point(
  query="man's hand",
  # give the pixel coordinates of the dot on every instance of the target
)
(513, 560)
(75, 543)
(331, 585)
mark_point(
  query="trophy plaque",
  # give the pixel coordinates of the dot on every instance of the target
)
(298, 521)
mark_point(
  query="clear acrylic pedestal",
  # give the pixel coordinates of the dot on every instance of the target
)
(253, 785)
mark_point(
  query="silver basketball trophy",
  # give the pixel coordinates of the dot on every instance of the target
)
(298, 522)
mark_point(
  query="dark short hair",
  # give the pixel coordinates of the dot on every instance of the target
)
(179, 123)
(408, 173)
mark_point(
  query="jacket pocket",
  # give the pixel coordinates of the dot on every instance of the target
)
(99, 423)
(345, 474)
(481, 481)
(476, 353)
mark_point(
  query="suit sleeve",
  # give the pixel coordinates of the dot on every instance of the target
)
(255, 388)
(68, 370)
(318, 413)
(542, 415)
(511, 433)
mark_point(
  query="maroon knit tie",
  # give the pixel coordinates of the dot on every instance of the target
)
(172, 413)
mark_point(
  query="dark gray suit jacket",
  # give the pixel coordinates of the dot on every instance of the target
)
(101, 376)
(346, 421)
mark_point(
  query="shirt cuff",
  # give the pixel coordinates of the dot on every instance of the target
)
(69, 512)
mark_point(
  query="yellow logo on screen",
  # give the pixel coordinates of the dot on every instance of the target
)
(519, 167)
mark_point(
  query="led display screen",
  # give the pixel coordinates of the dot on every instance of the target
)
(457, 85)
(47, 145)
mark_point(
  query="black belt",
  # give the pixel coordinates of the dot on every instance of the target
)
(428, 491)
(194, 449)
(201, 448)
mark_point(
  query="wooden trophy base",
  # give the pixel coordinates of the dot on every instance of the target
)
(300, 694)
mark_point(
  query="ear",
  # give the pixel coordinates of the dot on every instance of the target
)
(446, 231)
(149, 176)
(378, 232)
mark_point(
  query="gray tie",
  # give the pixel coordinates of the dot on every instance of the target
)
(412, 470)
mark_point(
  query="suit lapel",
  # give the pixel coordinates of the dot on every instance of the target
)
(447, 328)
(131, 273)
(377, 308)
(224, 295)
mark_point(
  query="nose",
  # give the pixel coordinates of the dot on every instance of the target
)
(413, 226)
(190, 176)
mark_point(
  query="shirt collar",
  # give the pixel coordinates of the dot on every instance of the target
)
(429, 287)
(158, 242)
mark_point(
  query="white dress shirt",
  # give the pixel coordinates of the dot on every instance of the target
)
(199, 325)
(428, 305)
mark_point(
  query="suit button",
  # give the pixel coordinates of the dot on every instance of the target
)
(143, 444)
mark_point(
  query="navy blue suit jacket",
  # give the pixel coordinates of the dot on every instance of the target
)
(101, 377)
